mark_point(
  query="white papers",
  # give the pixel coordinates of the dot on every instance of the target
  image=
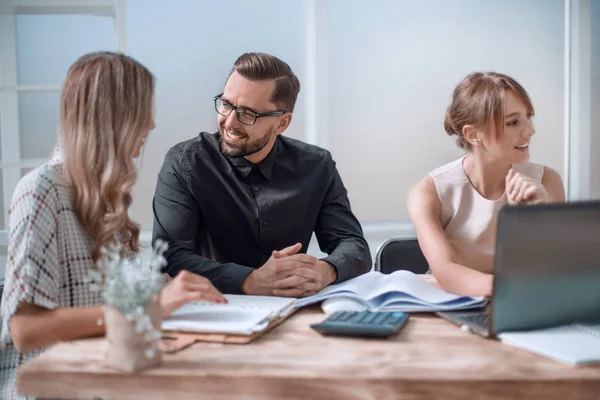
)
(243, 315)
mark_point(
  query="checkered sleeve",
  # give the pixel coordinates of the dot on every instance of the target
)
(32, 271)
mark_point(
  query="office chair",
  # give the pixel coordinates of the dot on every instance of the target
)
(401, 253)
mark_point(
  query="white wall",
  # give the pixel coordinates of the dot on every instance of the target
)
(191, 46)
(595, 103)
(393, 68)
(391, 72)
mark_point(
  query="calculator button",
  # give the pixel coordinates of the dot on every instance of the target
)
(345, 316)
(379, 318)
(358, 317)
(336, 316)
(369, 318)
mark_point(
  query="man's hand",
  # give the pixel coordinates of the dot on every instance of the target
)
(278, 266)
(289, 274)
(185, 288)
(521, 189)
(299, 284)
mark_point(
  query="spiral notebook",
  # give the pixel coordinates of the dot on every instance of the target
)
(576, 344)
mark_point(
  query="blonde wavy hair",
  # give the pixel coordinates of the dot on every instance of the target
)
(106, 109)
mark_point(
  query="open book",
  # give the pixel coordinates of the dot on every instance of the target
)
(398, 291)
(574, 344)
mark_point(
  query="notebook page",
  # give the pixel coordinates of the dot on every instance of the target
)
(590, 329)
(410, 284)
(360, 286)
(573, 344)
(242, 315)
(372, 287)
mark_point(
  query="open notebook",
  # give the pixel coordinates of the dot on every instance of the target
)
(243, 315)
(398, 291)
(574, 344)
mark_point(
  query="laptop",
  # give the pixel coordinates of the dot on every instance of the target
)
(546, 270)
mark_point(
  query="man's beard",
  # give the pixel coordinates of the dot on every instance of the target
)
(246, 147)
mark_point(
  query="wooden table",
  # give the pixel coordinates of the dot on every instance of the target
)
(430, 358)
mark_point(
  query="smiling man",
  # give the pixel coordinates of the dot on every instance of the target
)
(240, 206)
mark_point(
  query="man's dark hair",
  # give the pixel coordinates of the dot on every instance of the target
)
(264, 67)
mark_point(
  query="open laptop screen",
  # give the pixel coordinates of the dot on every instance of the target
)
(547, 266)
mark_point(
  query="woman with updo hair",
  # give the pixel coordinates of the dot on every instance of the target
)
(455, 207)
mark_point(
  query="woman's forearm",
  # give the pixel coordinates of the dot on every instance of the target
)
(461, 280)
(34, 327)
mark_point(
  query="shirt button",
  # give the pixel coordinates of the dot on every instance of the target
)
(256, 189)
(265, 223)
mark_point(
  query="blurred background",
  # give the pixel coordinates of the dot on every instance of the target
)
(376, 79)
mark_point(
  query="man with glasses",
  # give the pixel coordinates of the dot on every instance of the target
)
(240, 206)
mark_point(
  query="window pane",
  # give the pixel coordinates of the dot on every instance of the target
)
(0, 133)
(25, 171)
(3, 247)
(38, 118)
(48, 44)
(2, 216)
(595, 105)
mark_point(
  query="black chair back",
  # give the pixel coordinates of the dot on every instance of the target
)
(401, 254)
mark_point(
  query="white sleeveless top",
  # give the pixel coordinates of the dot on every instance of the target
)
(469, 219)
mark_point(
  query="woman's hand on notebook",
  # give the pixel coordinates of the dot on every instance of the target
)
(185, 288)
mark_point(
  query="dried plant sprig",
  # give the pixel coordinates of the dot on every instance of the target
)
(129, 286)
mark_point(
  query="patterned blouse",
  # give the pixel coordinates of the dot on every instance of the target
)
(48, 259)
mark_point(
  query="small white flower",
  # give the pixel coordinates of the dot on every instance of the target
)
(128, 286)
(150, 352)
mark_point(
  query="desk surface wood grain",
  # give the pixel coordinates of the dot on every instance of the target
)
(429, 358)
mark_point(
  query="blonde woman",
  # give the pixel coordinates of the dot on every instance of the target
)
(455, 207)
(64, 212)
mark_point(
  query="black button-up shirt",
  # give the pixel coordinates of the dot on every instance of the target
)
(223, 216)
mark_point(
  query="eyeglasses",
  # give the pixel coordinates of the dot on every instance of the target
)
(245, 115)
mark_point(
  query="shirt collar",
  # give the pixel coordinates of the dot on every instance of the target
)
(265, 167)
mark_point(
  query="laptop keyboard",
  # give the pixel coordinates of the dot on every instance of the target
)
(476, 319)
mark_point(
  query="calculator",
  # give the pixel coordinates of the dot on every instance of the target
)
(364, 324)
